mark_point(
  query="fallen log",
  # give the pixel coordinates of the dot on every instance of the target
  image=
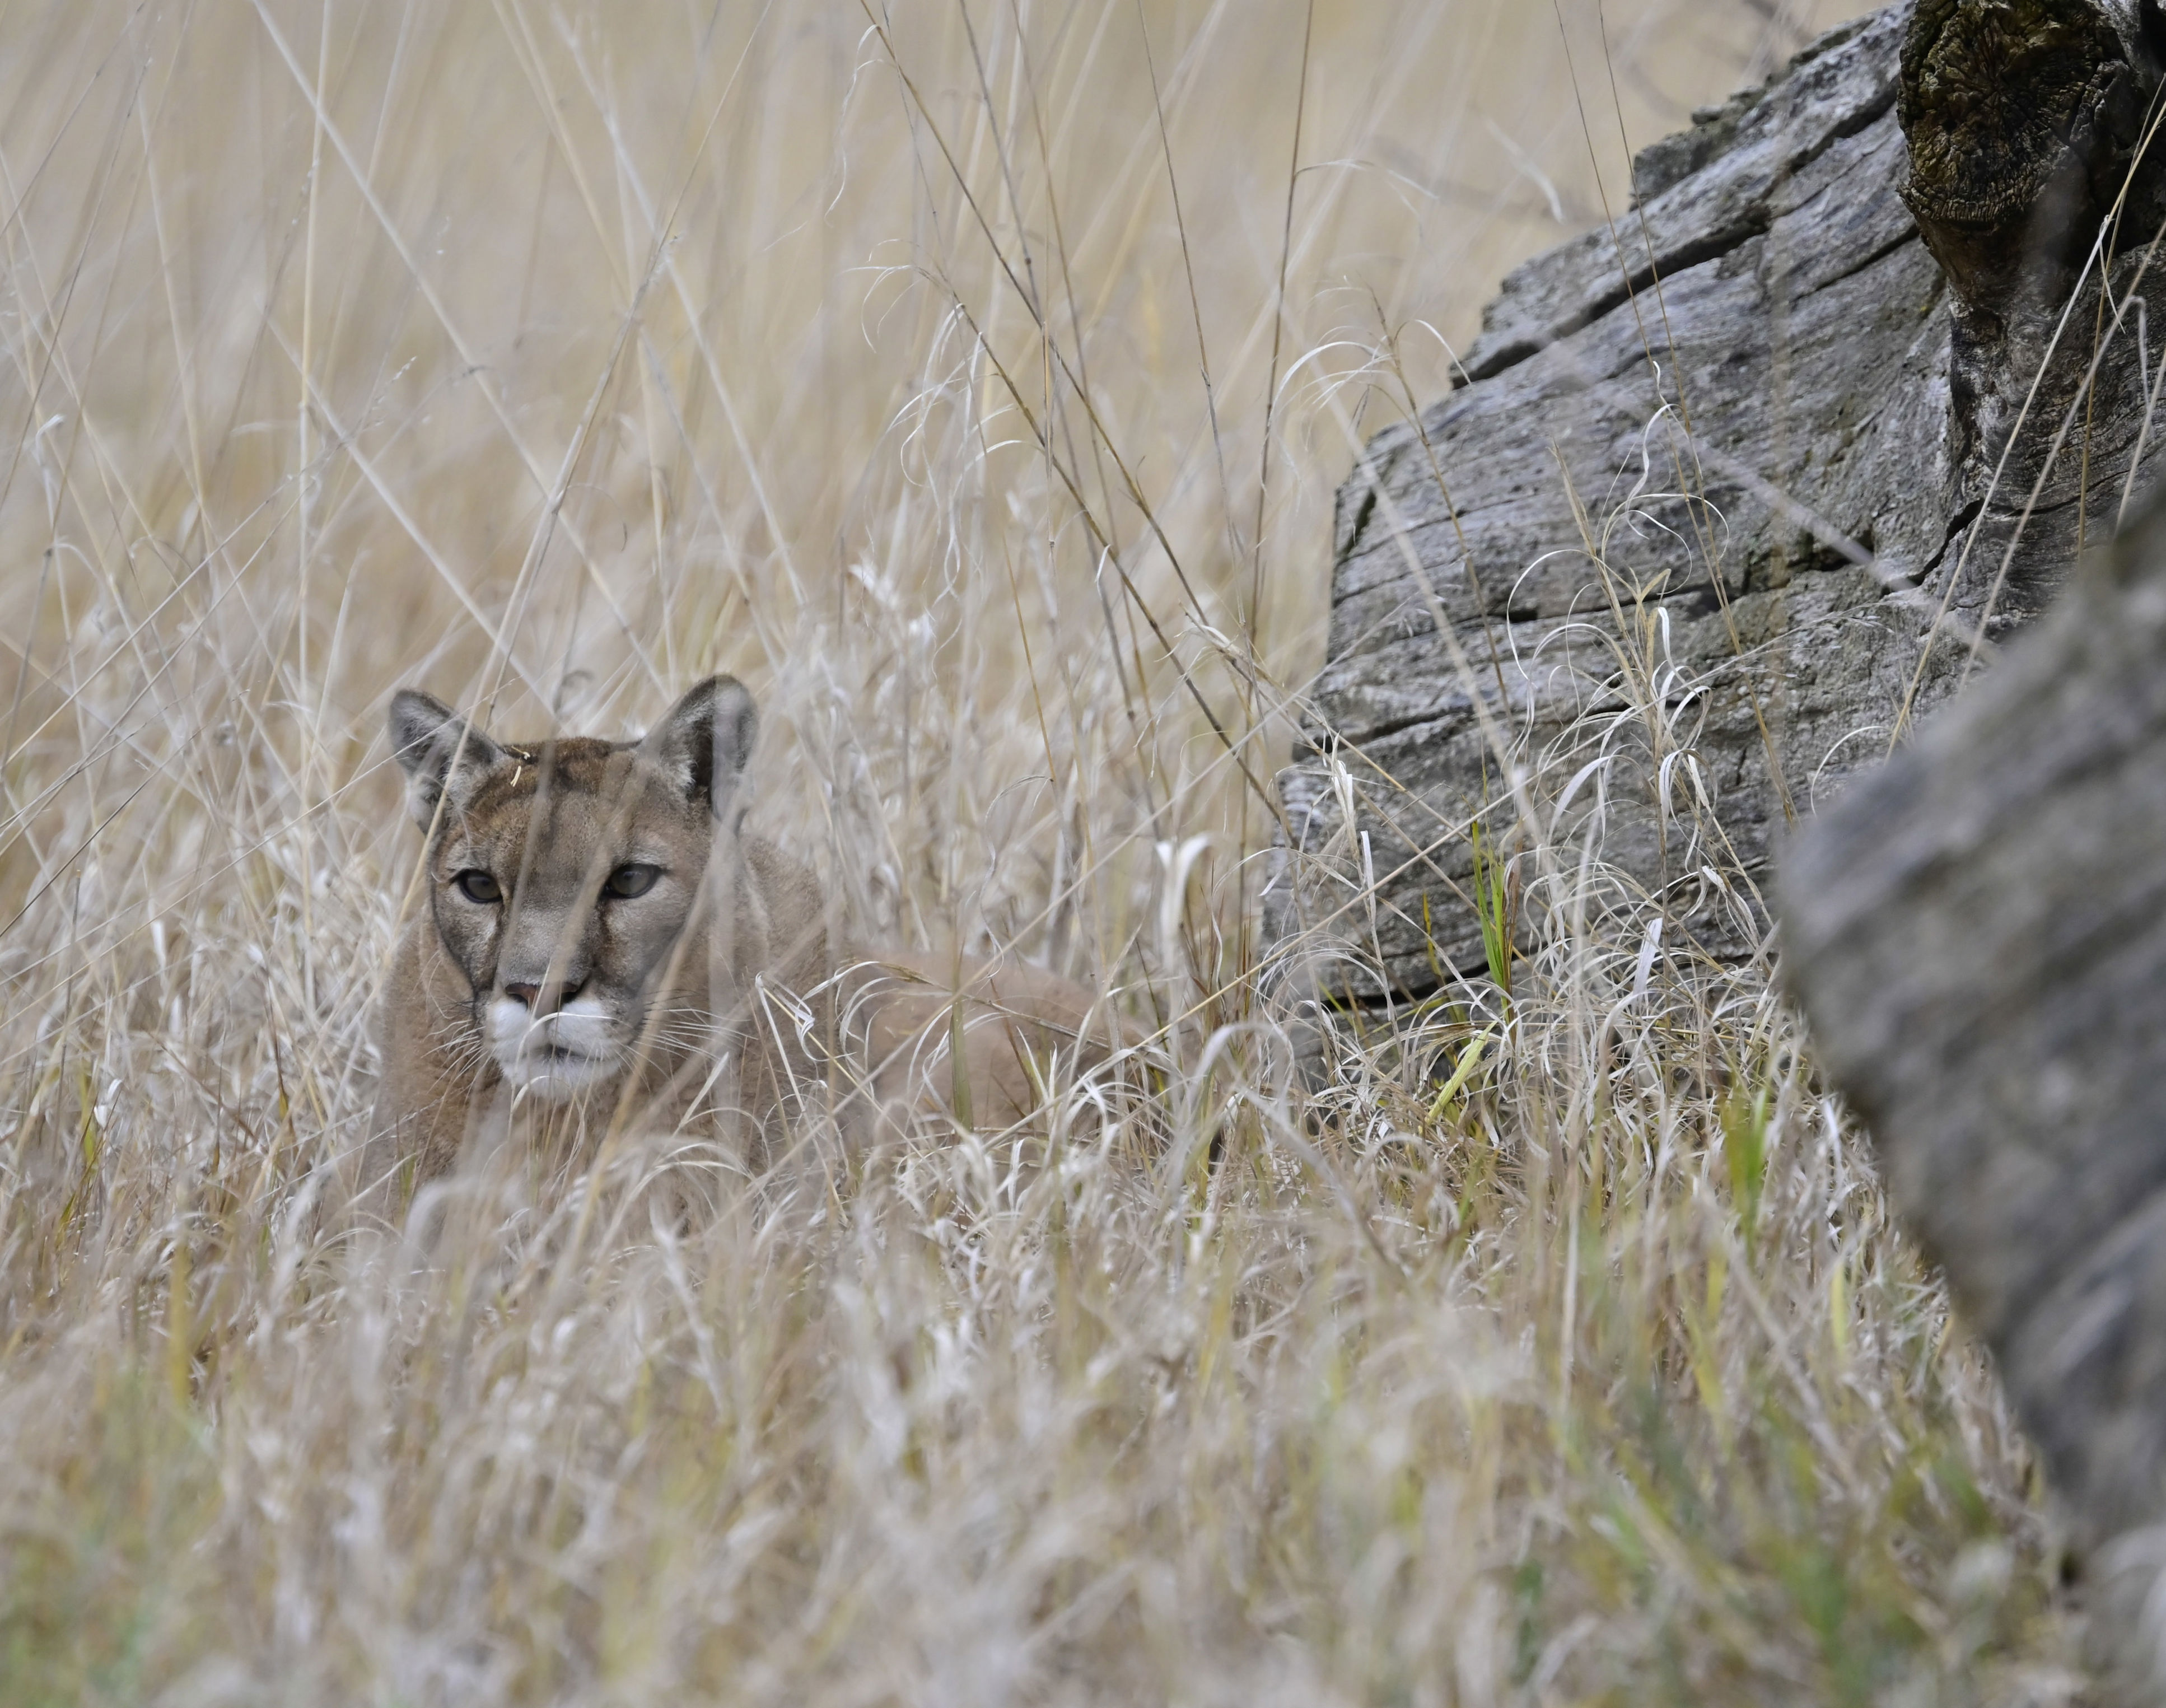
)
(1731, 493)
(1976, 933)
(1730, 498)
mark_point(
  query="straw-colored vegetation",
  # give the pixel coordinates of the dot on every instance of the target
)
(923, 365)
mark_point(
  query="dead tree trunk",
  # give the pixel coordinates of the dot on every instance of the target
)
(1977, 935)
(1731, 496)
(1731, 493)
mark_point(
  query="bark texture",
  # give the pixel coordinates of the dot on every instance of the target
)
(1730, 493)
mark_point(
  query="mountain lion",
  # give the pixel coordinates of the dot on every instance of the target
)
(600, 943)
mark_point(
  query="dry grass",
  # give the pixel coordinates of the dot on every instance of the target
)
(550, 360)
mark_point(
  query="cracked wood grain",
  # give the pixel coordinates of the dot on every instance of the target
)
(1732, 490)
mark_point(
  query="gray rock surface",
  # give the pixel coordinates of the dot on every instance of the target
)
(1726, 493)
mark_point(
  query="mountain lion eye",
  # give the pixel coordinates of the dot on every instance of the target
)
(627, 881)
(477, 885)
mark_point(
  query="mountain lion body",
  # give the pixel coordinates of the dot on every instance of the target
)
(599, 943)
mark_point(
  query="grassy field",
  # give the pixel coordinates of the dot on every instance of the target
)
(972, 379)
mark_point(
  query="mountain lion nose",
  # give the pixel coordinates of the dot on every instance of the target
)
(539, 1003)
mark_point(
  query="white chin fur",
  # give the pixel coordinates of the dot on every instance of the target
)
(558, 1056)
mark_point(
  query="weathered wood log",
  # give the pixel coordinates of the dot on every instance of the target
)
(1977, 935)
(2020, 118)
(1733, 492)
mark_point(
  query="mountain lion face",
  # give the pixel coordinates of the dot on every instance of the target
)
(561, 878)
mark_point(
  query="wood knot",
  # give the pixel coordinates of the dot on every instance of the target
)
(2020, 115)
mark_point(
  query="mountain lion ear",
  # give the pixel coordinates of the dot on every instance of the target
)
(436, 747)
(705, 740)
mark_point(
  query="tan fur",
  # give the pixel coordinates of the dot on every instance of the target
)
(720, 998)
(1014, 1022)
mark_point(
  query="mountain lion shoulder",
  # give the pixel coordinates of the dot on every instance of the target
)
(598, 941)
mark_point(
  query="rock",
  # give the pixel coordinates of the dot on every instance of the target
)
(1730, 494)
